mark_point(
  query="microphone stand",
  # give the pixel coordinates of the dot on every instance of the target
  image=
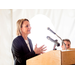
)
(54, 47)
(62, 41)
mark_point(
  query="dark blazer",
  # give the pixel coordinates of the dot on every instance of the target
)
(21, 51)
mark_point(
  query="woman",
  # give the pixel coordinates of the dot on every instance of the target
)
(22, 46)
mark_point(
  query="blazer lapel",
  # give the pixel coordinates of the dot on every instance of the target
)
(30, 44)
(24, 43)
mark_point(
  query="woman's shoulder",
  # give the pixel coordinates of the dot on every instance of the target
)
(18, 39)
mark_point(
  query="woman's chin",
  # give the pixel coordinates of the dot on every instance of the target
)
(29, 32)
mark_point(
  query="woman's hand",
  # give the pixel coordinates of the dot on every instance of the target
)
(39, 50)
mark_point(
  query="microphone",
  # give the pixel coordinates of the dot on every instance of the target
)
(51, 30)
(57, 36)
(55, 41)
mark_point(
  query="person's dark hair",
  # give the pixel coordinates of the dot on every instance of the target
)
(66, 40)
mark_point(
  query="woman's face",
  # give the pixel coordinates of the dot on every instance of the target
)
(25, 28)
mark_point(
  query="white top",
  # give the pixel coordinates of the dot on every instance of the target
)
(27, 42)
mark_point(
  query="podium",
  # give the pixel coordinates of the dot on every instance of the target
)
(54, 57)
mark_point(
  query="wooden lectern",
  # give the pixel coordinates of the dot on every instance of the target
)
(54, 57)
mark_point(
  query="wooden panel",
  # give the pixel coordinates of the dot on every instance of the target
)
(68, 57)
(49, 58)
(71, 49)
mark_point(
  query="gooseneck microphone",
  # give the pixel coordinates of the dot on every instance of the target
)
(55, 41)
(51, 30)
(57, 36)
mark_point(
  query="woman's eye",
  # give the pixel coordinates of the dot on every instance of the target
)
(26, 25)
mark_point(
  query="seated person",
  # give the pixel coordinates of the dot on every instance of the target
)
(67, 43)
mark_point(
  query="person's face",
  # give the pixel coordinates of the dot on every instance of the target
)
(25, 28)
(67, 43)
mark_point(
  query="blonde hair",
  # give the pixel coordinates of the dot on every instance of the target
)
(19, 25)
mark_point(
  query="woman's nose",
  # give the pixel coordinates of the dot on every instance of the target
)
(29, 27)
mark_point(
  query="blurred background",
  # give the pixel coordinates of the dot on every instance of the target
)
(61, 21)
